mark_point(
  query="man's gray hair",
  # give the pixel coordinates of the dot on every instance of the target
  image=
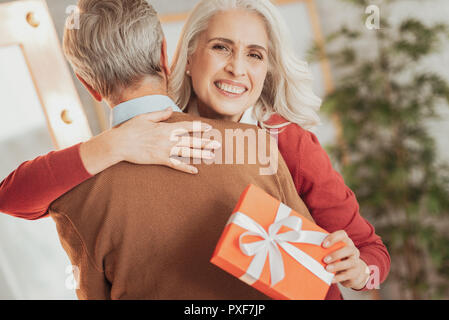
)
(117, 44)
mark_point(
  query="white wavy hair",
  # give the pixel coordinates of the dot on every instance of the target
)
(288, 86)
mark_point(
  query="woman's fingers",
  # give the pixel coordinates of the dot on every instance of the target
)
(335, 237)
(198, 143)
(158, 116)
(341, 265)
(181, 166)
(345, 252)
(347, 275)
(186, 152)
(146, 140)
(345, 262)
(189, 127)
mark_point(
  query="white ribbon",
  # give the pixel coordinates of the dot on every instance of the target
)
(271, 242)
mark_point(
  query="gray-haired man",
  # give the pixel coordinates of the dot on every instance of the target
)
(148, 232)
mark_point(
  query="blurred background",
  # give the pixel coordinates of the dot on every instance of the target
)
(381, 68)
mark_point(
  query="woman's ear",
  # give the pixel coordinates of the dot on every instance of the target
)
(188, 66)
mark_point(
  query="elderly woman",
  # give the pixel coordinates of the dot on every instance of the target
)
(233, 62)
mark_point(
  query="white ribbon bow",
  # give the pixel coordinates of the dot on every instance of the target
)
(271, 242)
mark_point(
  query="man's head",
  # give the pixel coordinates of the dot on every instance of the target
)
(118, 47)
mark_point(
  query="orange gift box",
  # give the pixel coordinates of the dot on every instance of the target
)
(298, 242)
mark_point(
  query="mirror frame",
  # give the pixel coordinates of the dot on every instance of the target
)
(27, 23)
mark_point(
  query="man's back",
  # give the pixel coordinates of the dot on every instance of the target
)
(148, 232)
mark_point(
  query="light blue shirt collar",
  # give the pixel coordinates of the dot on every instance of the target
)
(132, 108)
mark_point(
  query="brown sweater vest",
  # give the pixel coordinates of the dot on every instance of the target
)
(148, 232)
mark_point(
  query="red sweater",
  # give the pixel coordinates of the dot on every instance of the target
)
(29, 190)
(331, 203)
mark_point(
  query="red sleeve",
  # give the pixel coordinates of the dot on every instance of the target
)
(29, 190)
(331, 203)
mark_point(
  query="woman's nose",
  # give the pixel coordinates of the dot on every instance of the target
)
(236, 66)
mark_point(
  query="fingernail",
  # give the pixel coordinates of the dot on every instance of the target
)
(212, 155)
(194, 170)
(329, 268)
(209, 155)
(214, 145)
(327, 259)
(326, 244)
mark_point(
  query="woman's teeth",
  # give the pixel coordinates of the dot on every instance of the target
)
(229, 88)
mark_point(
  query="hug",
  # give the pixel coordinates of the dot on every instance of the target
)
(133, 213)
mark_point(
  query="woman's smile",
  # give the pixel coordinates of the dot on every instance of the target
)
(230, 88)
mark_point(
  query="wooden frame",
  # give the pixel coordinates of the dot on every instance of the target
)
(27, 23)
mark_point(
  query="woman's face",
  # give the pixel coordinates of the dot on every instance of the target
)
(230, 64)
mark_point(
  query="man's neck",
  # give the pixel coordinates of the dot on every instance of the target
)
(147, 87)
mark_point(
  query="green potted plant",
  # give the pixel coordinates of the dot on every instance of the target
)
(383, 103)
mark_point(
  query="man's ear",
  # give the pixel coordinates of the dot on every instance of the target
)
(164, 58)
(97, 96)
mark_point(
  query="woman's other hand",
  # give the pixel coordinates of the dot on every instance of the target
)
(350, 270)
(144, 140)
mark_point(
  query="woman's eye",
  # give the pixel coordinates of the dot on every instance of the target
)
(220, 47)
(256, 56)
